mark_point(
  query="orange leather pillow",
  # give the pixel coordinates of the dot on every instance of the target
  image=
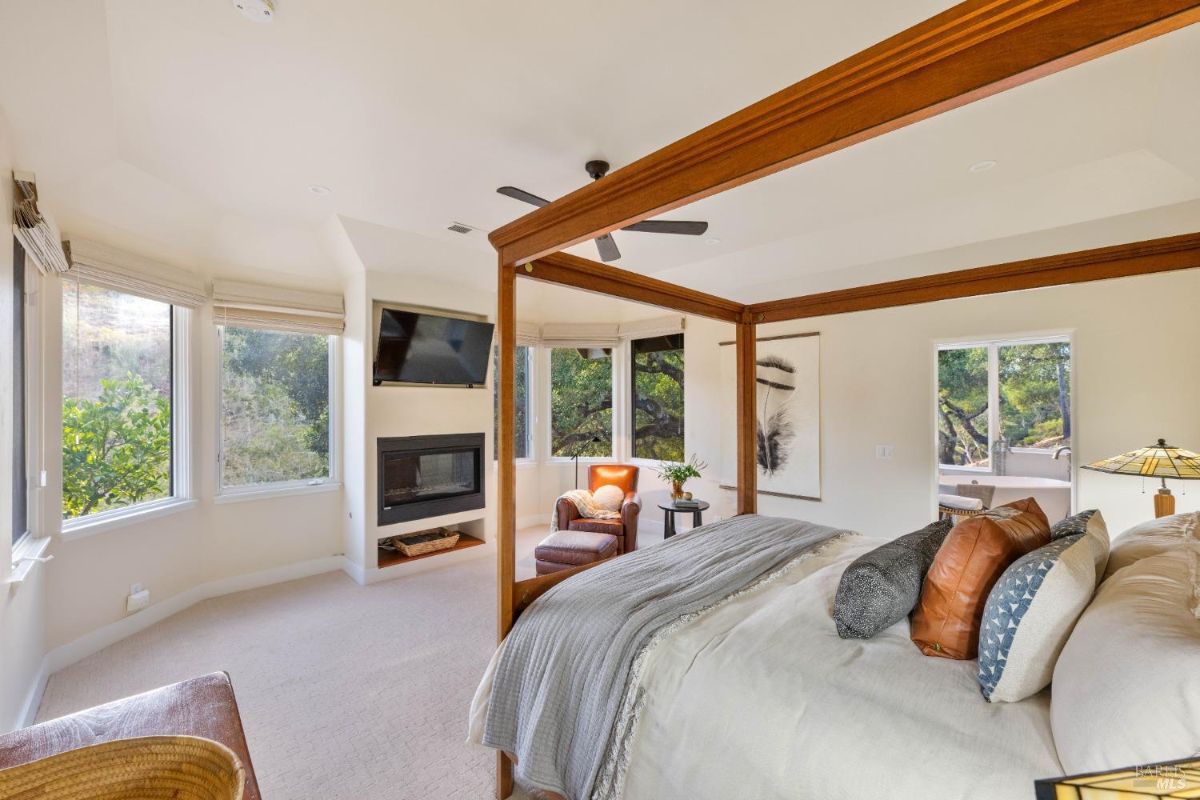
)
(972, 558)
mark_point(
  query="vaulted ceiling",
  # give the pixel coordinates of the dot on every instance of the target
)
(186, 132)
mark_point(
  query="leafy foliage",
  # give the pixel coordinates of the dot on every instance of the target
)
(1035, 399)
(116, 448)
(680, 471)
(580, 403)
(963, 406)
(1035, 394)
(658, 402)
(274, 406)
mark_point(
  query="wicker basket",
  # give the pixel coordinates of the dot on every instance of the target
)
(417, 544)
(176, 767)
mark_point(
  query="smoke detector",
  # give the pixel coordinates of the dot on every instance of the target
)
(256, 10)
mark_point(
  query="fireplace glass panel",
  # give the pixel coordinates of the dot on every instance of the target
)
(415, 477)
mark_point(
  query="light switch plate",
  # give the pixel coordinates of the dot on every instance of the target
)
(885, 451)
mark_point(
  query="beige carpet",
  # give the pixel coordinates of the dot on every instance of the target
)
(345, 691)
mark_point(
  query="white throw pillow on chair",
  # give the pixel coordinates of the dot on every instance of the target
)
(609, 497)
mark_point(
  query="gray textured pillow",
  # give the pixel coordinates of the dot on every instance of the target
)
(881, 587)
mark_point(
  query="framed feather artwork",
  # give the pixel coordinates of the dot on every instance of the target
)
(788, 401)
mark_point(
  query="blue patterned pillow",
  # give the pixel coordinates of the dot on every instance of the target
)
(1030, 613)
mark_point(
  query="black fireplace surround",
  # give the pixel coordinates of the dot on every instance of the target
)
(427, 476)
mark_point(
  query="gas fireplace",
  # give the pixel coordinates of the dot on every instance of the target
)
(427, 476)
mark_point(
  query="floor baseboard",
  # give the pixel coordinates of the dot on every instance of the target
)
(95, 641)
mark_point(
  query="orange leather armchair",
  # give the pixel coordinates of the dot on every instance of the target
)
(624, 476)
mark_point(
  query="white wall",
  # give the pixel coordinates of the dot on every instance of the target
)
(1136, 356)
(391, 410)
(22, 606)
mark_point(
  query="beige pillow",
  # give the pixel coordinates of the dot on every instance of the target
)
(1152, 538)
(1127, 685)
(609, 497)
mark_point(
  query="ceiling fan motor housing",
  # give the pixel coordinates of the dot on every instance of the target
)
(597, 169)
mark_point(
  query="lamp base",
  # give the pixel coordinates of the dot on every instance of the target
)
(1164, 503)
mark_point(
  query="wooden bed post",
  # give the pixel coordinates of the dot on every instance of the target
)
(506, 508)
(747, 425)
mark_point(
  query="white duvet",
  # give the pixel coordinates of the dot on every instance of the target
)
(760, 700)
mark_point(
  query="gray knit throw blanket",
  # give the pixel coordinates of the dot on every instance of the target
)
(564, 667)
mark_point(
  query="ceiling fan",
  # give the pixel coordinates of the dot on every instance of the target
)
(605, 244)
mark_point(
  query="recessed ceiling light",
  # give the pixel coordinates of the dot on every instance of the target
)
(256, 10)
(981, 166)
(319, 189)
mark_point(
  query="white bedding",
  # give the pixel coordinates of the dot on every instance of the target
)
(760, 699)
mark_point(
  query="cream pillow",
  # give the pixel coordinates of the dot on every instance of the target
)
(1127, 684)
(609, 497)
(1152, 538)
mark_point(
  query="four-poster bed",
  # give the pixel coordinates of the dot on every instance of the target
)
(973, 50)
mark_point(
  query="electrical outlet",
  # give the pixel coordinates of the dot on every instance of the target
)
(885, 451)
(137, 600)
(134, 588)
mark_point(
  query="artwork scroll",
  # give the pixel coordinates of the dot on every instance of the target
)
(788, 402)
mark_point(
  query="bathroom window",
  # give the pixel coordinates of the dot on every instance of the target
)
(995, 399)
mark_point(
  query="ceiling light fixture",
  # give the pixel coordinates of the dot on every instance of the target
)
(256, 10)
(319, 189)
(981, 166)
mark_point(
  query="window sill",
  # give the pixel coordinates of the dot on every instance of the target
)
(28, 553)
(83, 528)
(268, 492)
(582, 460)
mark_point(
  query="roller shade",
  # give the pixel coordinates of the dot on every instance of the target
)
(101, 265)
(248, 305)
(528, 334)
(37, 233)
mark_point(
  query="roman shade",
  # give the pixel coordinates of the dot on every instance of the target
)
(650, 328)
(105, 266)
(583, 334)
(36, 232)
(248, 305)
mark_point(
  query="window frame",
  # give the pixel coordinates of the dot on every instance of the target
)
(180, 483)
(254, 491)
(993, 345)
(531, 404)
(615, 432)
(21, 495)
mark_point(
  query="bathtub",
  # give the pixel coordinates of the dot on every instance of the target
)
(1053, 495)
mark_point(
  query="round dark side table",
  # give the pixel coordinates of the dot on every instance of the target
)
(670, 510)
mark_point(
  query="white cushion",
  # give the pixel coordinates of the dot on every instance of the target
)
(957, 501)
(1152, 538)
(1029, 615)
(1127, 684)
(609, 497)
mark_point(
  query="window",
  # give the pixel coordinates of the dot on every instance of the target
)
(275, 390)
(581, 399)
(658, 397)
(1002, 395)
(117, 400)
(522, 415)
(20, 487)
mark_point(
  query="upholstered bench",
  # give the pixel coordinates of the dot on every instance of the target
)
(566, 549)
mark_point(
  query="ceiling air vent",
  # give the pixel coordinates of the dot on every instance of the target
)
(458, 227)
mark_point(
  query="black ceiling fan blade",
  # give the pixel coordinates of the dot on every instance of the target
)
(608, 248)
(669, 226)
(523, 196)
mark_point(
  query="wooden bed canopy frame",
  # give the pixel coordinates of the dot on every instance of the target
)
(971, 51)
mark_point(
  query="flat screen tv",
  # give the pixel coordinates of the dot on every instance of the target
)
(427, 348)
